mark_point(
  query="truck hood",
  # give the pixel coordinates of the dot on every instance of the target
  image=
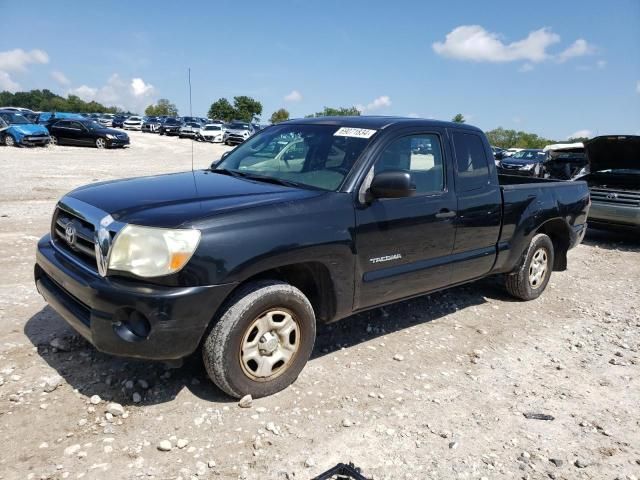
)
(176, 199)
(29, 129)
(613, 152)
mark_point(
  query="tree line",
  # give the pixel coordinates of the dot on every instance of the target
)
(242, 108)
(47, 101)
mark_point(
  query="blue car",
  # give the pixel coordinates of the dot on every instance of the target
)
(21, 131)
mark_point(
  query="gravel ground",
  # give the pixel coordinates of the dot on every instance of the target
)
(437, 387)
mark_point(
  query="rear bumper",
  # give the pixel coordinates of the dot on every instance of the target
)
(605, 215)
(97, 307)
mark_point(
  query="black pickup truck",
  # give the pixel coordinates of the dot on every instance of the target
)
(307, 221)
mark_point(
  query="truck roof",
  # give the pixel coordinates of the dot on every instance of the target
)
(379, 122)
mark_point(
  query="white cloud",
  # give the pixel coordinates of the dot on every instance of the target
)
(17, 60)
(6, 83)
(85, 92)
(579, 48)
(638, 86)
(133, 95)
(581, 133)
(141, 89)
(294, 96)
(601, 64)
(472, 42)
(377, 103)
(60, 77)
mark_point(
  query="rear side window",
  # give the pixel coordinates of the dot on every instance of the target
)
(473, 169)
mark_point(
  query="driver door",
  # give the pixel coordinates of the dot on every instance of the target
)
(404, 245)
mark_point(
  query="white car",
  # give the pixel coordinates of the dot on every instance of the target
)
(190, 129)
(212, 132)
(133, 123)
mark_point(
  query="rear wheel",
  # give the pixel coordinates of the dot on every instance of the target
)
(53, 140)
(532, 277)
(261, 341)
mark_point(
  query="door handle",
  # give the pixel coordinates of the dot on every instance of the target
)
(446, 213)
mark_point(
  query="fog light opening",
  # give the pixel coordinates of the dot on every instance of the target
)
(132, 326)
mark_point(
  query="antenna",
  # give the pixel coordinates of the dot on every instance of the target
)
(191, 115)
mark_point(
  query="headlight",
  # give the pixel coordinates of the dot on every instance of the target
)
(110, 136)
(528, 166)
(152, 252)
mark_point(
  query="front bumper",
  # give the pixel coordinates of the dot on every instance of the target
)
(612, 216)
(171, 132)
(118, 142)
(34, 140)
(517, 171)
(96, 306)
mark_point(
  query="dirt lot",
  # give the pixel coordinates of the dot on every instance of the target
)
(431, 388)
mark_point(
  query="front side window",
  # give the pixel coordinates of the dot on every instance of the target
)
(311, 155)
(421, 156)
(473, 169)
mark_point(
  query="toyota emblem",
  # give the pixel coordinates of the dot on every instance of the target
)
(70, 234)
(612, 196)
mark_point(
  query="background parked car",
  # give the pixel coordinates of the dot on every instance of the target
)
(21, 131)
(564, 161)
(106, 120)
(212, 132)
(190, 130)
(133, 123)
(118, 121)
(171, 126)
(525, 163)
(86, 133)
(150, 124)
(237, 132)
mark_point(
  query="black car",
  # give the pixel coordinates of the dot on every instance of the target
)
(303, 224)
(171, 126)
(86, 133)
(118, 121)
(527, 163)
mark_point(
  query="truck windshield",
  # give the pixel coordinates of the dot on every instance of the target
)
(305, 154)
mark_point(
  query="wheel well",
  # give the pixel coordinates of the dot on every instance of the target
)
(558, 231)
(311, 278)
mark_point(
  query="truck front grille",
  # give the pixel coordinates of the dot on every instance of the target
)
(75, 236)
(616, 197)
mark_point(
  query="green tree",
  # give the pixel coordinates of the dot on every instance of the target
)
(280, 115)
(247, 108)
(222, 110)
(503, 138)
(163, 107)
(337, 112)
(459, 118)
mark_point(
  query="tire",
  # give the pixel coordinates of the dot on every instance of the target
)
(101, 143)
(532, 276)
(53, 140)
(9, 141)
(254, 308)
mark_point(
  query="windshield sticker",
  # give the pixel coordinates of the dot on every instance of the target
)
(354, 132)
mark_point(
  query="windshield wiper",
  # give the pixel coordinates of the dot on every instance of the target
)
(260, 178)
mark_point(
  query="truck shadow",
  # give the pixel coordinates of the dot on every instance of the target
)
(612, 240)
(117, 379)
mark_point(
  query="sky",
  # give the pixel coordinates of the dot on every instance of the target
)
(555, 68)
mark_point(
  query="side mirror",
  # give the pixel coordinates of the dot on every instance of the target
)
(215, 163)
(499, 155)
(392, 184)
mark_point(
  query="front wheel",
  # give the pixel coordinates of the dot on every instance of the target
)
(53, 140)
(101, 143)
(261, 341)
(532, 277)
(9, 141)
